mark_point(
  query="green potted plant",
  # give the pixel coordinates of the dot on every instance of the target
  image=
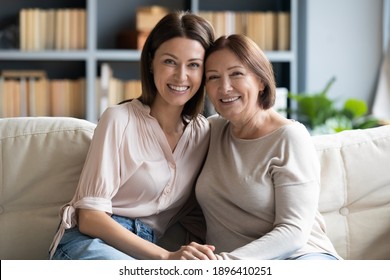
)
(320, 114)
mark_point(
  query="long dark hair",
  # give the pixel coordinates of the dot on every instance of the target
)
(175, 24)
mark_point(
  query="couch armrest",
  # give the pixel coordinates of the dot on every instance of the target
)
(41, 161)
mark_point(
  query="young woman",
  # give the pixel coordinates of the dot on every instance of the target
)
(259, 188)
(145, 155)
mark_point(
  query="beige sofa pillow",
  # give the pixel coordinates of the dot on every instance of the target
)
(355, 191)
(41, 161)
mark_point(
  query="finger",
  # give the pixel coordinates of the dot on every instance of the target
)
(204, 253)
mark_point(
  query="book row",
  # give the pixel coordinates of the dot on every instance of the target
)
(26, 97)
(52, 29)
(65, 29)
(270, 30)
(30, 93)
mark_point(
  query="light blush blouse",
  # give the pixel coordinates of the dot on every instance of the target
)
(130, 169)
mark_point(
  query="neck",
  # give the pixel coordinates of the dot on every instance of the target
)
(260, 124)
(170, 120)
(248, 128)
(169, 117)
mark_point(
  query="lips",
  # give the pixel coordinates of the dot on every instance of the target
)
(228, 100)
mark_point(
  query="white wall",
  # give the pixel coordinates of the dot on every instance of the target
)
(341, 38)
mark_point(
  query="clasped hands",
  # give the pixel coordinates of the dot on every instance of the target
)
(195, 251)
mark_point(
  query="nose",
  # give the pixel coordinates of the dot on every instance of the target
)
(181, 73)
(225, 85)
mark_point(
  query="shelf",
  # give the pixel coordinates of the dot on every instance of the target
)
(280, 56)
(105, 19)
(43, 55)
(120, 55)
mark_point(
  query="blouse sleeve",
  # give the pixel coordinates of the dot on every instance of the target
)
(100, 178)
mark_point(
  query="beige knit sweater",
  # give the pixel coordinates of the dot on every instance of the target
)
(260, 196)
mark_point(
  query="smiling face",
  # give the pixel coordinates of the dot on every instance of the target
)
(177, 69)
(231, 86)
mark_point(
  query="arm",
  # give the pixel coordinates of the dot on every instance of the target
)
(99, 224)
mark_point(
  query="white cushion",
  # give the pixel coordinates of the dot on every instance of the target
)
(355, 191)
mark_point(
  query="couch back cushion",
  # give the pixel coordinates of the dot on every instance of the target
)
(355, 191)
(41, 161)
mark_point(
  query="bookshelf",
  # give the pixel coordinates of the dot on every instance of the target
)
(105, 19)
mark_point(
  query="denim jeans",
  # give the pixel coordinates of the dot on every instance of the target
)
(77, 246)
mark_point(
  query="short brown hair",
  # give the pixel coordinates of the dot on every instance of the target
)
(175, 24)
(254, 58)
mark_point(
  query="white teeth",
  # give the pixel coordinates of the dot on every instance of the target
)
(230, 99)
(178, 88)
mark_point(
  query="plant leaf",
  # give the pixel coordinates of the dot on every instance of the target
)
(356, 106)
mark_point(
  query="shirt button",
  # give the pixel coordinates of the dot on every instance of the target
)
(344, 211)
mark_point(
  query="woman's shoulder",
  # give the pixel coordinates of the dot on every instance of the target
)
(117, 116)
(122, 112)
(295, 133)
(114, 115)
(200, 126)
(295, 128)
(201, 121)
(216, 120)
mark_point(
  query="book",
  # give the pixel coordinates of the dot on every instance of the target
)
(106, 74)
(66, 29)
(148, 16)
(82, 28)
(50, 29)
(270, 22)
(23, 98)
(39, 97)
(74, 25)
(132, 89)
(256, 28)
(23, 30)
(283, 31)
(42, 34)
(59, 29)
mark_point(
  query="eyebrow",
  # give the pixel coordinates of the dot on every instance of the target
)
(230, 68)
(236, 66)
(175, 57)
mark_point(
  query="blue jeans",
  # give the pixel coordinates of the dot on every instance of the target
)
(77, 246)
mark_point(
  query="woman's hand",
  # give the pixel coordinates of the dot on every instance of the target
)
(194, 251)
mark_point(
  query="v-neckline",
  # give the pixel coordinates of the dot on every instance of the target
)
(169, 153)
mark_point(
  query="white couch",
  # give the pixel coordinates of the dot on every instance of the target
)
(41, 160)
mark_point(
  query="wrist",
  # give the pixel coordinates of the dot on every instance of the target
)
(164, 255)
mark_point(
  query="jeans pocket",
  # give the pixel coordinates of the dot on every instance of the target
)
(144, 231)
(137, 227)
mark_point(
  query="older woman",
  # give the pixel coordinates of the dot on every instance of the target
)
(259, 187)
